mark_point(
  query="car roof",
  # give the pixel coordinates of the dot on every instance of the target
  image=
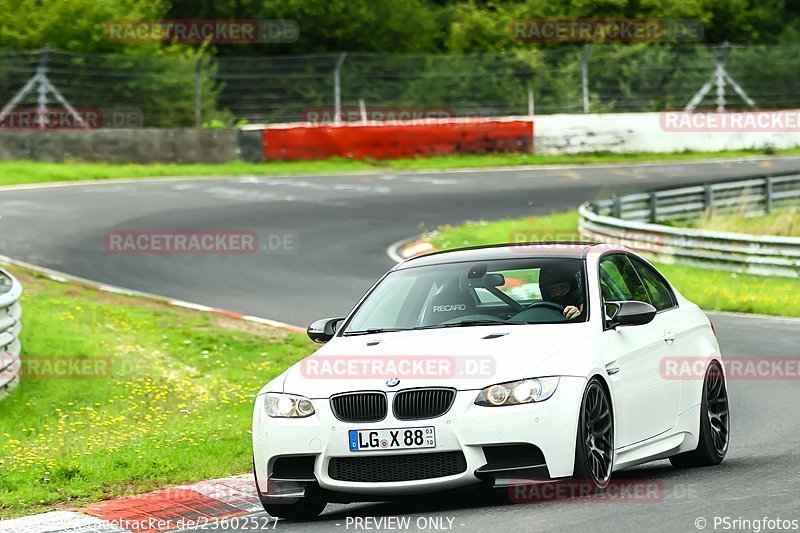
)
(566, 249)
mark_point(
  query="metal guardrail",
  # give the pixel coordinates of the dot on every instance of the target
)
(632, 221)
(10, 326)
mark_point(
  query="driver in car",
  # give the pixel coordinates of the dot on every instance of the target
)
(560, 284)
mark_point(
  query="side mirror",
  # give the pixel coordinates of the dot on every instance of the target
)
(323, 330)
(629, 313)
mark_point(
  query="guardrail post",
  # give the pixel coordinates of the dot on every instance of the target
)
(10, 293)
(708, 197)
(616, 206)
(653, 207)
(768, 194)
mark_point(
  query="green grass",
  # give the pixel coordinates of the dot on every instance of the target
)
(19, 172)
(23, 172)
(176, 407)
(785, 222)
(710, 289)
(499, 160)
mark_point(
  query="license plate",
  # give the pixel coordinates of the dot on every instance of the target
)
(362, 440)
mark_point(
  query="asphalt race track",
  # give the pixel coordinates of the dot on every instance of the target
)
(338, 229)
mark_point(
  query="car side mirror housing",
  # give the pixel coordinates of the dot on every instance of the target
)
(630, 313)
(323, 330)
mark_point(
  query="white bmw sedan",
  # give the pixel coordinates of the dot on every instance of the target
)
(502, 365)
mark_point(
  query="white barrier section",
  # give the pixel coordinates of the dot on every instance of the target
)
(10, 326)
(671, 131)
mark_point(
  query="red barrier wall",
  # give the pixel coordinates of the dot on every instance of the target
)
(396, 140)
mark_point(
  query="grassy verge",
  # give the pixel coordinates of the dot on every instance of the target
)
(783, 222)
(175, 408)
(21, 172)
(710, 289)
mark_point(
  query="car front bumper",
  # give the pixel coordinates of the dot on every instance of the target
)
(466, 428)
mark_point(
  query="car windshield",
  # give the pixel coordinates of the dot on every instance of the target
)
(508, 291)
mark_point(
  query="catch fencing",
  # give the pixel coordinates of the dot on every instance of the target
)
(210, 91)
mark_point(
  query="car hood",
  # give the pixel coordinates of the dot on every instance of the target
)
(467, 358)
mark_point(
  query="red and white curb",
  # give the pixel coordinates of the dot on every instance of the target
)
(403, 249)
(208, 503)
(63, 277)
(417, 248)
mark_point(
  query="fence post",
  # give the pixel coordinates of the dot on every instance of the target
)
(337, 89)
(362, 109)
(616, 206)
(198, 92)
(767, 194)
(531, 110)
(708, 198)
(653, 207)
(585, 77)
(719, 76)
(41, 100)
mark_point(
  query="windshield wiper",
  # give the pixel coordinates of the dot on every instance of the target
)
(462, 323)
(468, 323)
(369, 331)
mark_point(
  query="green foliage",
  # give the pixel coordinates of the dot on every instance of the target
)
(410, 26)
(74, 24)
(406, 26)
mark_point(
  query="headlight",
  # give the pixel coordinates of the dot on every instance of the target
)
(287, 405)
(517, 392)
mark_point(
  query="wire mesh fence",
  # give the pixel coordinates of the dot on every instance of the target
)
(192, 90)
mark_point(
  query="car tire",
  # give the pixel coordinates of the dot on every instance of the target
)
(714, 423)
(305, 508)
(594, 446)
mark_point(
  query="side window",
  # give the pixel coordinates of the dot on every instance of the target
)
(660, 293)
(619, 280)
